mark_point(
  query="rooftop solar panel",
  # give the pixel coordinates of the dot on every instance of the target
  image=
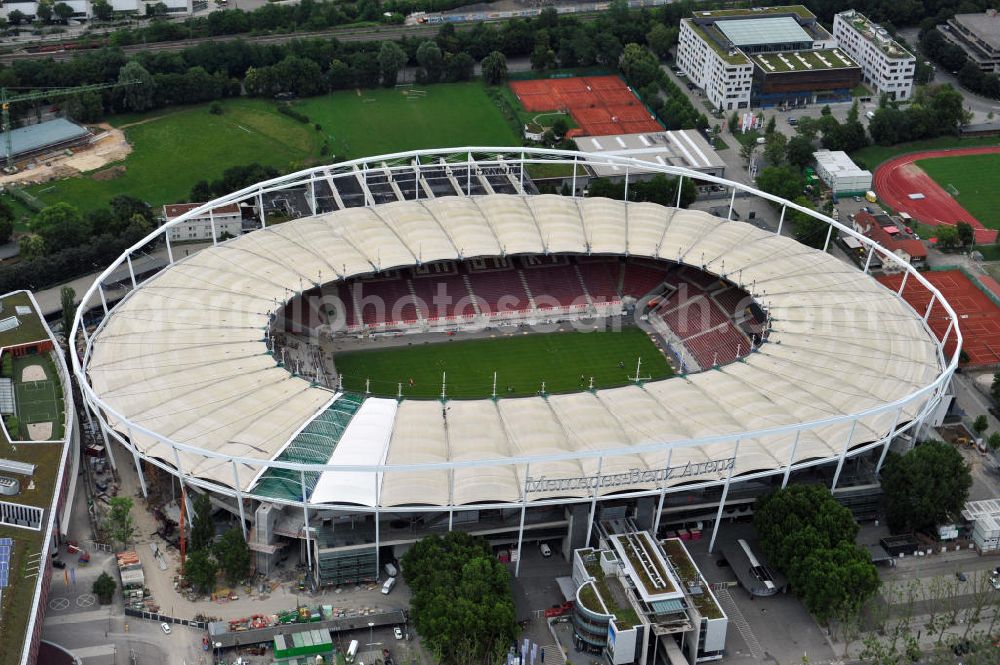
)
(772, 30)
(6, 545)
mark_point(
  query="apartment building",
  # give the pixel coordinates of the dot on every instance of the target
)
(885, 65)
(221, 222)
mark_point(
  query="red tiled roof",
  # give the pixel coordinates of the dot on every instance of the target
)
(911, 246)
(177, 209)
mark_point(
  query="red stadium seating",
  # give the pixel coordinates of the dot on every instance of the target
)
(600, 278)
(554, 286)
(499, 290)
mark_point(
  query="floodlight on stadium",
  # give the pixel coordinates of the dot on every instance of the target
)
(184, 371)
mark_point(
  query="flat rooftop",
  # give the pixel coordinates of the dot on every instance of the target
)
(982, 25)
(38, 491)
(684, 147)
(763, 30)
(798, 10)
(803, 61)
(645, 565)
(875, 34)
(42, 135)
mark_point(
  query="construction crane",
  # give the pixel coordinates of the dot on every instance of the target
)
(6, 99)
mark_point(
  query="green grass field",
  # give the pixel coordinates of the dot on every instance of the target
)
(38, 401)
(174, 148)
(873, 155)
(522, 363)
(391, 120)
(975, 178)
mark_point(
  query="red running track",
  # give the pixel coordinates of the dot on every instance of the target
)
(896, 179)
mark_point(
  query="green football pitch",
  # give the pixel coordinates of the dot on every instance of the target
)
(521, 361)
(975, 178)
(38, 401)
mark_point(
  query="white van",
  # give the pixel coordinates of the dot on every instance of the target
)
(870, 115)
(389, 583)
(390, 570)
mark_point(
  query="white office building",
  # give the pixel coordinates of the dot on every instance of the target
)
(724, 74)
(885, 65)
(218, 222)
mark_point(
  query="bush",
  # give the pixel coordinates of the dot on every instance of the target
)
(7, 366)
(292, 113)
(215, 108)
(13, 427)
(318, 127)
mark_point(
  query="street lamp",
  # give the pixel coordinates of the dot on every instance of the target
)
(371, 633)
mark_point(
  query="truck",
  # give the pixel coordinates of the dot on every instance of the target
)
(389, 583)
(390, 570)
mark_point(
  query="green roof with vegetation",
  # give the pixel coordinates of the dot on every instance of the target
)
(625, 617)
(18, 597)
(798, 10)
(891, 48)
(688, 572)
(801, 61)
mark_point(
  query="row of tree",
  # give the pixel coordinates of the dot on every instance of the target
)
(462, 603)
(806, 534)
(935, 110)
(206, 557)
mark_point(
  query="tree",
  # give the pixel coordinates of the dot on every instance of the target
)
(639, 65)
(462, 604)
(233, 556)
(120, 524)
(994, 441)
(805, 228)
(67, 300)
(966, 234)
(980, 425)
(459, 66)
(6, 223)
(560, 127)
(201, 571)
(202, 527)
(44, 11)
(804, 532)
(30, 247)
(775, 148)
(800, 151)
(661, 39)
(494, 68)
(63, 12)
(431, 62)
(772, 125)
(102, 9)
(924, 486)
(60, 226)
(391, 58)
(780, 181)
(995, 387)
(104, 588)
(16, 17)
(947, 236)
(138, 96)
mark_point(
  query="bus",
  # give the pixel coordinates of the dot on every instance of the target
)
(352, 651)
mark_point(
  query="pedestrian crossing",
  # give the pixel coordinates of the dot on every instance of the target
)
(736, 617)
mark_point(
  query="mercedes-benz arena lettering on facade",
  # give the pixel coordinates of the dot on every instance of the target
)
(180, 371)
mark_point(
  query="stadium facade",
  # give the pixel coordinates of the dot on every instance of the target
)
(184, 370)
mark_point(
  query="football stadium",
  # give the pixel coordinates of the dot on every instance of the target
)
(431, 344)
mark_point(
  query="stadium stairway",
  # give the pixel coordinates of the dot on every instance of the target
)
(583, 285)
(527, 289)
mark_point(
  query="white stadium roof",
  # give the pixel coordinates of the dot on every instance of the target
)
(184, 355)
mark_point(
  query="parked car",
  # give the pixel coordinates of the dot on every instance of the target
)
(165, 627)
(397, 633)
(545, 550)
(58, 563)
(961, 576)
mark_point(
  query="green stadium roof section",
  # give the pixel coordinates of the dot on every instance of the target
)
(767, 30)
(315, 444)
(42, 135)
(200, 373)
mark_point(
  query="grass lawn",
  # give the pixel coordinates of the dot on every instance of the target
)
(521, 361)
(174, 148)
(975, 177)
(373, 122)
(874, 155)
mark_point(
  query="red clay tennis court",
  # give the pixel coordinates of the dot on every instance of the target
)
(898, 179)
(600, 105)
(979, 316)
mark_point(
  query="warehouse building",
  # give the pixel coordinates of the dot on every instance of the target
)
(886, 66)
(840, 173)
(978, 35)
(43, 137)
(684, 147)
(775, 56)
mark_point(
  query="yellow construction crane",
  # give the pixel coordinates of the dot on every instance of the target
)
(6, 99)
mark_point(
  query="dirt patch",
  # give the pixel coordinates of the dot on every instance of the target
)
(32, 373)
(107, 147)
(110, 173)
(39, 431)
